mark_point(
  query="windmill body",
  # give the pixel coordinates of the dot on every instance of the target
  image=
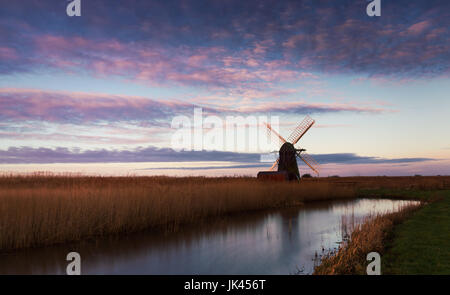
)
(288, 161)
(288, 154)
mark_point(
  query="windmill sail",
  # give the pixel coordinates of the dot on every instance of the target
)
(301, 130)
(282, 140)
(274, 164)
(313, 164)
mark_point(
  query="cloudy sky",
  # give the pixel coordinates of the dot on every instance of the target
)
(104, 87)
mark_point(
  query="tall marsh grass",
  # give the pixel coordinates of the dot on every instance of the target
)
(43, 209)
(367, 237)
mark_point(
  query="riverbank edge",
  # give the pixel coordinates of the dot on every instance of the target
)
(381, 234)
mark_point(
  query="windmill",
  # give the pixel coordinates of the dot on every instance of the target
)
(287, 160)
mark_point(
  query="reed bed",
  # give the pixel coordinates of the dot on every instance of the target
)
(43, 209)
(370, 236)
(403, 183)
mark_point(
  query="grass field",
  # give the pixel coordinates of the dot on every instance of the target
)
(43, 209)
(421, 245)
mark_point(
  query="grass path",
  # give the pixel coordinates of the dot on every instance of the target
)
(421, 245)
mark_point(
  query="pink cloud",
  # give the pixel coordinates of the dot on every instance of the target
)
(61, 106)
(435, 33)
(305, 108)
(77, 107)
(8, 53)
(292, 41)
(73, 137)
(150, 63)
(419, 27)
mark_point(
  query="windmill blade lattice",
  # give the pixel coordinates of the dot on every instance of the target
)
(310, 161)
(301, 130)
(270, 129)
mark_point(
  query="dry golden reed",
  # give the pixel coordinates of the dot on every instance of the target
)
(367, 237)
(42, 209)
(396, 182)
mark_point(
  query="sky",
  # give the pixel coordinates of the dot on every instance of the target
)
(99, 93)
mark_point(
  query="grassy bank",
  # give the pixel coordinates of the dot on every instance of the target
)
(40, 210)
(413, 241)
(421, 245)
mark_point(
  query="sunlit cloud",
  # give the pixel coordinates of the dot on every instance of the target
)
(78, 107)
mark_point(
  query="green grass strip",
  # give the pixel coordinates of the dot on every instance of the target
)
(421, 244)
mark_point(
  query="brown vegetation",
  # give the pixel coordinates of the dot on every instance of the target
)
(385, 182)
(367, 237)
(43, 209)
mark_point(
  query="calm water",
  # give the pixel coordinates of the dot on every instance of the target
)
(270, 242)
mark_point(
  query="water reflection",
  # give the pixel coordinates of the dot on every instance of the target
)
(270, 242)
